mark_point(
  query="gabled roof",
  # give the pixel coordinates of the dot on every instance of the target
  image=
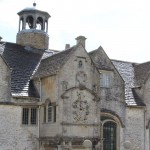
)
(127, 71)
(52, 64)
(5, 62)
(23, 62)
(99, 61)
(139, 101)
(141, 72)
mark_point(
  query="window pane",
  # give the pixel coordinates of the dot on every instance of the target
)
(54, 113)
(44, 114)
(105, 79)
(49, 113)
(80, 65)
(109, 135)
(33, 115)
(25, 116)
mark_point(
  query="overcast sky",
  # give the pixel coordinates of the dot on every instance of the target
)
(121, 27)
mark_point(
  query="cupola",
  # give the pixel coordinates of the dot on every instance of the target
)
(33, 28)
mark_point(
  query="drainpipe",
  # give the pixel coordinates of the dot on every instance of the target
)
(39, 113)
(145, 118)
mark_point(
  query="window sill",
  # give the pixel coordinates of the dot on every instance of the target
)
(49, 123)
(29, 125)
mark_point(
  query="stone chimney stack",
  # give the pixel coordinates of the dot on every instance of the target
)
(81, 39)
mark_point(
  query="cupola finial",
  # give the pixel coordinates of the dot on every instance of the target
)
(34, 4)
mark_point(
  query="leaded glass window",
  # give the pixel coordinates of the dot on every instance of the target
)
(106, 79)
(49, 112)
(25, 116)
(29, 116)
(45, 114)
(33, 115)
(109, 135)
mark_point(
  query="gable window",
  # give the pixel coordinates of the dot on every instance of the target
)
(80, 64)
(49, 113)
(106, 79)
(29, 116)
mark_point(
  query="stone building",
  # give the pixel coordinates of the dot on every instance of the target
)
(70, 99)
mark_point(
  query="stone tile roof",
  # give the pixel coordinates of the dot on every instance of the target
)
(49, 53)
(52, 64)
(27, 63)
(141, 72)
(99, 60)
(23, 62)
(139, 101)
(127, 71)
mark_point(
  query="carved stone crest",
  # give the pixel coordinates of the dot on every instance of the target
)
(64, 85)
(81, 77)
(80, 109)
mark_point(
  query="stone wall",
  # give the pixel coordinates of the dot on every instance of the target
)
(13, 135)
(36, 39)
(48, 93)
(146, 96)
(135, 127)
(79, 85)
(112, 97)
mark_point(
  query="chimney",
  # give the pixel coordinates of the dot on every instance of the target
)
(81, 39)
(67, 46)
(0, 38)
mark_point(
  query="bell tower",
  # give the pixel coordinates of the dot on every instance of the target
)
(33, 28)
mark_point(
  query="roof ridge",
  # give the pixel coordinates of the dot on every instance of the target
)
(50, 65)
(100, 47)
(124, 61)
(60, 52)
(143, 63)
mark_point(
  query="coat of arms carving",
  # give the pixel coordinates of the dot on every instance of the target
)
(80, 109)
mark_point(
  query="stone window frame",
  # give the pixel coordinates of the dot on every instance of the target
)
(80, 64)
(106, 78)
(49, 112)
(114, 119)
(29, 116)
